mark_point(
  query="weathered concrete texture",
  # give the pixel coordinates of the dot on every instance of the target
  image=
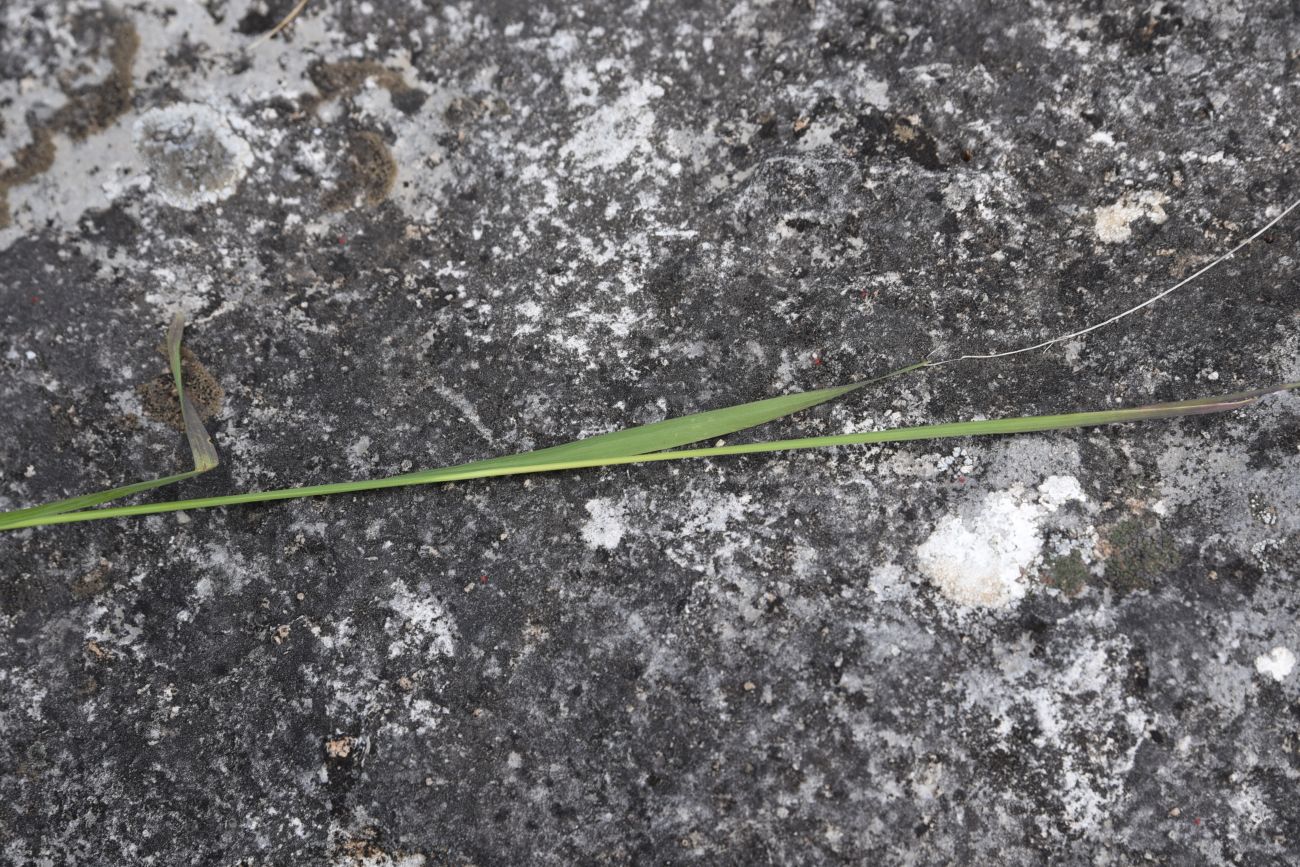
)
(408, 234)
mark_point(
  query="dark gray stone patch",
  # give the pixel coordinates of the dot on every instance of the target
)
(1069, 648)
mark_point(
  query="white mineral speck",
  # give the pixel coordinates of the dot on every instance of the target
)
(605, 528)
(981, 559)
(977, 561)
(1277, 663)
(1113, 222)
(1057, 490)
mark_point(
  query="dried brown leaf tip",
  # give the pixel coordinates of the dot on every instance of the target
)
(159, 400)
(205, 453)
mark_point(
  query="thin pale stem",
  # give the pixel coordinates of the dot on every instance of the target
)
(1134, 309)
(284, 22)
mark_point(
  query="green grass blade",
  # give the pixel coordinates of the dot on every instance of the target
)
(680, 431)
(542, 463)
(657, 436)
(201, 448)
(23, 517)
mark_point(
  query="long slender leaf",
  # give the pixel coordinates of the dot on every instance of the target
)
(543, 462)
(669, 433)
(680, 431)
(24, 517)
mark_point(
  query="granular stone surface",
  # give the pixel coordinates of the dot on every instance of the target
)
(408, 234)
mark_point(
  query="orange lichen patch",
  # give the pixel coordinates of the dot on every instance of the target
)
(345, 78)
(158, 395)
(464, 110)
(361, 848)
(93, 582)
(30, 161)
(370, 169)
(904, 132)
(94, 107)
(368, 176)
(90, 108)
(339, 747)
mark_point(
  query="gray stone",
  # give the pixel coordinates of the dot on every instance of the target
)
(407, 235)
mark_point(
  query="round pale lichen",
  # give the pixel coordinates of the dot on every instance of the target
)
(194, 155)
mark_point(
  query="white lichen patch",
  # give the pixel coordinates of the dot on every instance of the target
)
(1113, 223)
(194, 155)
(86, 174)
(888, 583)
(606, 526)
(982, 559)
(1056, 491)
(359, 456)
(421, 622)
(613, 133)
(1278, 663)
(979, 561)
(179, 287)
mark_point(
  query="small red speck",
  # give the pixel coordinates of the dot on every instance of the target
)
(482, 579)
(342, 240)
(961, 480)
(1197, 821)
(36, 299)
(817, 360)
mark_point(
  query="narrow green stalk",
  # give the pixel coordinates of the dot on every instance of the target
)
(24, 517)
(666, 434)
(645, 443)
(542, 462)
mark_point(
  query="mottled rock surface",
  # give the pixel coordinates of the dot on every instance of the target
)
(407, 234)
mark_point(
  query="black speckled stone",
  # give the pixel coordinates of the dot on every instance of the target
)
(408, 234)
